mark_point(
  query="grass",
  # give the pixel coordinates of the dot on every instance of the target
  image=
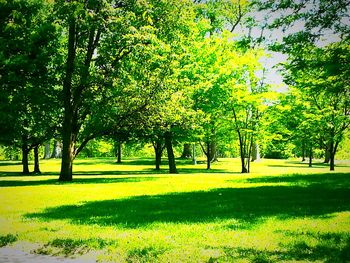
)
(283, 211)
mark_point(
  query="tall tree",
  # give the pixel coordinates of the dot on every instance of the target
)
(322, 75)
(28, 38)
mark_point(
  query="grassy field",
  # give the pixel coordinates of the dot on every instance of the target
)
(283, 211)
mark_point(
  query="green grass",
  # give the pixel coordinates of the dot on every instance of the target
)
(283, 211)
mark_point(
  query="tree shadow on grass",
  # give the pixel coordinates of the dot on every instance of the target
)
(103, 180)
(297, 164)
(329, 180)
(243, 204)
(298, 250)
(10, 163)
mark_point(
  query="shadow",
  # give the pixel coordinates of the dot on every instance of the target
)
(10, 163)
(11, 183)
(247, 205)
(297, 251)
(329, 180)
(297, 164)
(204, 170)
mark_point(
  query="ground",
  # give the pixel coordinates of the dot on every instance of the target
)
(282, 211)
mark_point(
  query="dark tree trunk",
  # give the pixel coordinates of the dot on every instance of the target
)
(303, 152)
(171, 157)
(208, 154)
(332, 151)
(68, 137)
(158, 160)
(68, 150)
(119, 159)
(36, 160)
(118, 151)
(327, 154)
(158, 150)
(186, 153)
(47, 154)
(310, 157)
(242, 155)
(331, 163)
(25, 152)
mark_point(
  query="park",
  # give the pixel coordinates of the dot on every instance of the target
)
(174, 131)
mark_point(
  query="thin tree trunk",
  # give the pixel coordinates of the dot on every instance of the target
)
(158, 150)
(118, 151)
(310, 157)
(303, 152)
(242, 153)
(36, 160)
(249, 153)
(25, 152)
(171, 157)
(208, 155)
(332, 150)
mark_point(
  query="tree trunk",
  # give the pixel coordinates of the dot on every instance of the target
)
(332, 151)
(186, 153)
(213, 155)
(242, 155)
(68, 148)
(303, 152)
(208, 154)
(331, 163)
(36, 160)
(327, 154)
(47, 154)
(25, 153)
(194, 161)
(119, 159)
(310, 157)
(69, 121)
(67, 160)
(171, 157)
(118, 151)
(158, 160)
(158, 150)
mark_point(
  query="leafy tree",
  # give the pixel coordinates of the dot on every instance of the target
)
(322, 75)
(101, 37)
(29, 108)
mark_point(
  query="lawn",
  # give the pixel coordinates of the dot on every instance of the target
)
(283, 211)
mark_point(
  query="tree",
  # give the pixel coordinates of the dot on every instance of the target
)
(322, 74)
(102, 37)
(29, 106)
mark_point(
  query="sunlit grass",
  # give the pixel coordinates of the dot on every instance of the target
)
(282, 211)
